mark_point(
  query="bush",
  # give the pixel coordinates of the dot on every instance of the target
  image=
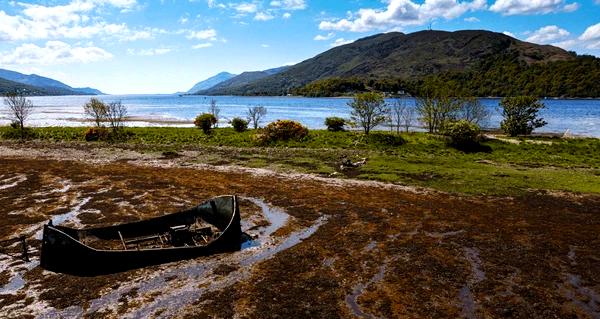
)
(283, 130)
(335, 124)
(463, 133)
(94, 134)
(520, 115)
(239, 125)
(205, 122)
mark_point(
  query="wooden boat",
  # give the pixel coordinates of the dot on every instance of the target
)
(212, 227)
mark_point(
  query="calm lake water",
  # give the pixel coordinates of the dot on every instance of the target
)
(581, 117)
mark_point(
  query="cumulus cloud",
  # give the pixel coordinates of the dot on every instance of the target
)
(54, 52)
(399, 13)
(289, 4)
(548, 34)
(588, 41)
(525, 7)
(71, 21)
(591, 37)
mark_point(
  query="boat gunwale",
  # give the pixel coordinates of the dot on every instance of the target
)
(231, 221)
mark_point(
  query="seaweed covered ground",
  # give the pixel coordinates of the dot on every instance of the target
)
(325, 247)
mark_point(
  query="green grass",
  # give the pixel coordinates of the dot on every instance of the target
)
(422, 160)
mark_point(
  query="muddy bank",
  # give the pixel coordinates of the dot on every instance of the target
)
(328, 249)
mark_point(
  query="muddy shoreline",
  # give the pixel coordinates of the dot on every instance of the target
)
(347, 248)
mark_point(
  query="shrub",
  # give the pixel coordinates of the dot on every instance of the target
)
(283, 130)
(239, 125)
(94, 134)
(520, 115)
(463, 133)
(335, 124)
(205, 122)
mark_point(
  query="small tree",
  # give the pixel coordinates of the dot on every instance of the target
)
(215, 111)
(205, 122)
(19, 108)
(436, 112)
(256, 114)
(472, 111)
(115, 115)
(96, 110)
(520, 115)
(400, 116)
(368, 110)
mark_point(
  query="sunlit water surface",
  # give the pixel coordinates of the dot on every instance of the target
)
(580, 117)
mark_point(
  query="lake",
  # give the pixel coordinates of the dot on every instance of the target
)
(581, 117)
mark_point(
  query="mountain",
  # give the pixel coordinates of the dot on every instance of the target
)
(211, 82)
(401, 56)
(241, 80)
(88, 91)
(7, 86)
(47, 83)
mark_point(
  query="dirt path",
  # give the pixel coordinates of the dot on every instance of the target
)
(346, 249)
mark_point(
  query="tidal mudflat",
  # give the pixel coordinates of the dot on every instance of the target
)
(324, 247)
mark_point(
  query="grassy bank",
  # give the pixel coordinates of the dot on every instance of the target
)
(501, 167)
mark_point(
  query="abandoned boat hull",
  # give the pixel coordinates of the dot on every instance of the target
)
(64, 252)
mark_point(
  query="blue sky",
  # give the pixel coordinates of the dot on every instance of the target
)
(164, 46)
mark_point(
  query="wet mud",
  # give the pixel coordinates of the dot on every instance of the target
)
(319, 249)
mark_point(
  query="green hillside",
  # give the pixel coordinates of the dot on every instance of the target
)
(482, 63)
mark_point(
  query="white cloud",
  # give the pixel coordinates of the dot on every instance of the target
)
(514, 7)
(265, 46)
(202, 46)
(288, 15)
(263, 16)
(548, 34)
(591, 37)
(510, 34)
(588, 41)
(207, 34)
(214, 4)
(400, 13)
(289, 4)
(149, 52)
(326, 37)
(472, 19)
(75, 20)
(54, 52)
(341, 41)
(245, 7)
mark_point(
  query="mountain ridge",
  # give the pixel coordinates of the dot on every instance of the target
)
(398, 55)
(46, 83)
(241, 80)
(211, 82)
